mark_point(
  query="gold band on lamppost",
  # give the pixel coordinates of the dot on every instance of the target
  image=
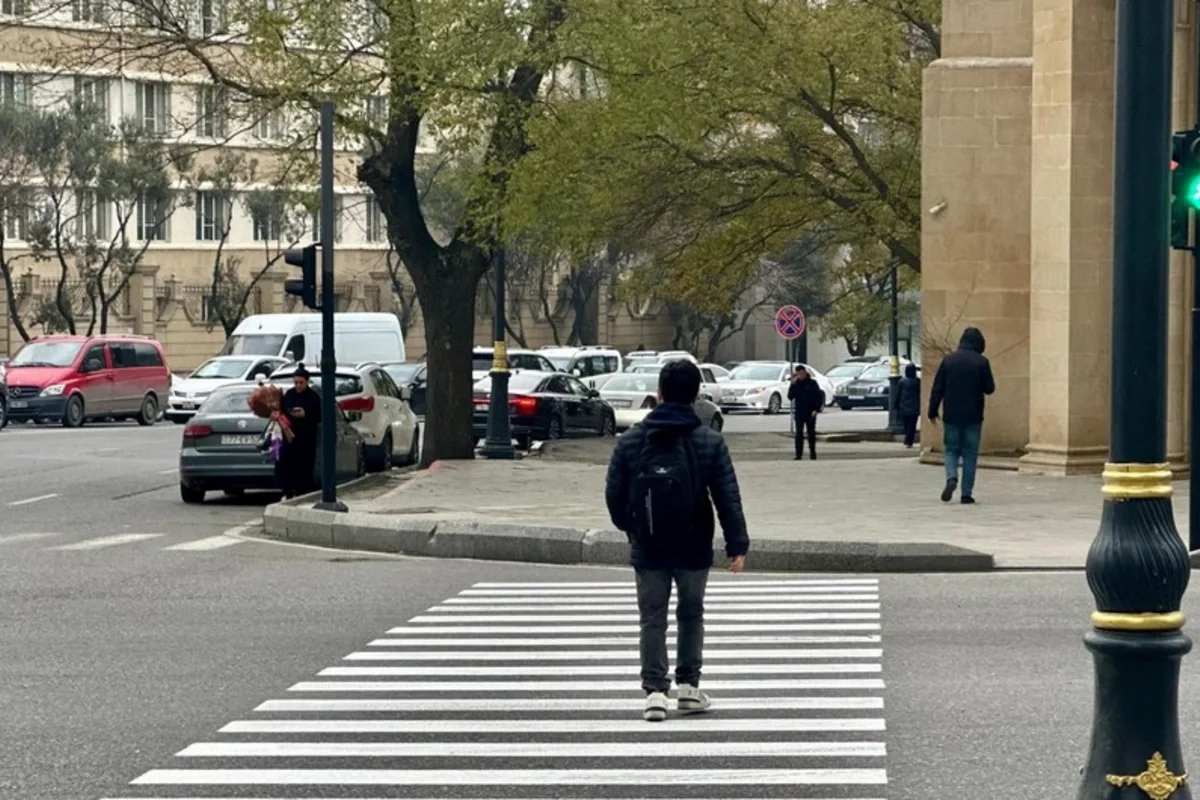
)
(1170, 621)
(1136, 481)
(499, 357)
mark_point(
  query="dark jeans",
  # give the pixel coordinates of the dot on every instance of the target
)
(962, 443)
(910, 428)
(806, 428)
(654, 596)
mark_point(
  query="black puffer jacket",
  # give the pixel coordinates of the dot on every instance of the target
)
(717, 476)
(963, 379)
(908, 393)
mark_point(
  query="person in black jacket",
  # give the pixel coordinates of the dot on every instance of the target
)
(808, 400)
(294, 472)
(963, 379)
(683, 559)
(908, 403)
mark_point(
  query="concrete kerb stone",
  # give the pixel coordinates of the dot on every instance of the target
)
(498, 542)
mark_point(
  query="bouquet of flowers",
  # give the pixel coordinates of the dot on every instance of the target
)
(267, 402)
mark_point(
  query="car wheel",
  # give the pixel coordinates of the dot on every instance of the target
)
(414, 449)
(774, 404)
(73, 416)
(608, 425)
(524, 442)
(149, 412)
(717, 423)
(3, 414)
(361, 468)
(844, 406)
(383, 461)
(555, 431)
(191, 494)
(179, 420)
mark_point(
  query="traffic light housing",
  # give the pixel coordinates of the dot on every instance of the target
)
(1185, 185)
(305, 287)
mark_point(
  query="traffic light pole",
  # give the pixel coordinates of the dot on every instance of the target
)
(329, 501)
(1194, 391)
(1137, 567)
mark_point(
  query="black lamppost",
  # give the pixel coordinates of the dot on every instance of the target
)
(1137, 567)
(894, 425)
(499, 431)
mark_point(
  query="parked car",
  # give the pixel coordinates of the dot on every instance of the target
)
(710, 387)
(413, 375)
(188, 393)
(547, 406)
(482, 357)
(221, 448)
(587, 361)
(871, 388)
(763, 386)
(633, 396)
(3, 403)
(841, 374)
(76, 378)
(377, 408)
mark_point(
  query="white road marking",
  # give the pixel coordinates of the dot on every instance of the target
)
(25, 537)
(710, 656)
(171, 471)
(631, 592)
(109, 541)
(689, 749)
(631, 599)
(590, 669)
(798, 684)
(564, 704)
(615, 641)
(209, 543)
(714, 586)
(699, 724)
(775, 616)
(709, 605)
(37, 499)
(747, 627)
(511, 777)
(306, 797)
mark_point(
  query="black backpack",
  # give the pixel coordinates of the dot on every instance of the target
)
(665, 492)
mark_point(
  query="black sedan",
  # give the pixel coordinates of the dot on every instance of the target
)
(547, 406)
(221, 448)
(414, 375)
(868, 390)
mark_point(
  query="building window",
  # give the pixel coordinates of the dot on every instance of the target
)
(14, 8)
(152, 219)
(14, 216)
(153, 106)
(88, 11)
(337, 222)
(212, 17)
(268, 225)
(16, 89)
(210, 112)
(91, 216)
(211, 218)
(376, 227)
(93, 92)
(269, 127)
(377, 112)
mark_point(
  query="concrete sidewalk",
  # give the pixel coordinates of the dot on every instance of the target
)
(854, 508)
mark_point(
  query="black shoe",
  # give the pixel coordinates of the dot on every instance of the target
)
(967, 500)
(813, 456)
(948, 492)
(798, 458)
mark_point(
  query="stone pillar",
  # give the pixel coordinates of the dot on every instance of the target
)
(143, 296)
(1179, 344)
(1071, 244)
(271, 288)
(381, 279)
(975, 201)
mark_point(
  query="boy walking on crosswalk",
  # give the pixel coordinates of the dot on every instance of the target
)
(664, 478)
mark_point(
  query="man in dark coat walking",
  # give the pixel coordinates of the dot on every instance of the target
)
(671, 442)
(963, 379)
(908, 403)
(302, 407)
(808, 400)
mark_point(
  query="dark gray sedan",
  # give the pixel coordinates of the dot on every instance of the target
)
(221, 449)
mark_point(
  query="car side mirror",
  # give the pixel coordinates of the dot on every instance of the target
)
(289, 356)
(405, 393)
(92, 365)
(593, 393)
(707, 397)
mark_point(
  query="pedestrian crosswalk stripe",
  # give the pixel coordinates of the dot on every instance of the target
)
(714, 586)
(632, 619)
(576, 687)
(539, 750)
(714, 591)
(24, 537)
(744, 627)
(109, 541)
(308, 797)
(450, 611)
(631, 600)
(209, 543)
(512, 777)
(710, 656)
(698, 724)
(814, 703)
(592, 669)
(616, 641)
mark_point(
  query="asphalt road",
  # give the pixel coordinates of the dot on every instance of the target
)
(114, 658)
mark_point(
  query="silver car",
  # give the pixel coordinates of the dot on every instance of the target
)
(633, 395)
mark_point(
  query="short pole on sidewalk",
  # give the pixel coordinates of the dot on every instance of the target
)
(498, 444)
(894, 425)
(1137, 567)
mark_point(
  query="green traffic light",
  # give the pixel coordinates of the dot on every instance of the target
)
(1192, 193)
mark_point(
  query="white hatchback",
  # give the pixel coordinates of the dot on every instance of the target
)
(379, 411)
(188, 394)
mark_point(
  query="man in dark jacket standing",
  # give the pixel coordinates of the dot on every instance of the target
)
(962, 381)
(302, 406)
(908, 403)
(660, 480)
(808, 400)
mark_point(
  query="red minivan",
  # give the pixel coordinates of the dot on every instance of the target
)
(76, 378)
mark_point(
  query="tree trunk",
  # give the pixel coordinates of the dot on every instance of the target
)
(448, 307)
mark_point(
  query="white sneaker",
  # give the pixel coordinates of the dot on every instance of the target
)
(691, 700)
(656, 707)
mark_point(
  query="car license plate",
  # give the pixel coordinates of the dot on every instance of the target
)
(19, 404)
(188, 406)
(239, 440)
(620, 403)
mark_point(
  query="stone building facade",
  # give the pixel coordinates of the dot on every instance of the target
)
(1017, 235)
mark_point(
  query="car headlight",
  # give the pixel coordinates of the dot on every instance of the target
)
(879, 390)
(53, 391)
(757, 390)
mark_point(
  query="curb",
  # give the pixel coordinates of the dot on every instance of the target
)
(553, 545)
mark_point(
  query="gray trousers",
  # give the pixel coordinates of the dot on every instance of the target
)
(654, 597)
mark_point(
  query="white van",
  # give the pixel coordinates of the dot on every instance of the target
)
(359, 337)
